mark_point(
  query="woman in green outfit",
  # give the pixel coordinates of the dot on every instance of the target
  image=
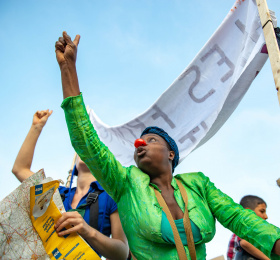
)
(147, 227)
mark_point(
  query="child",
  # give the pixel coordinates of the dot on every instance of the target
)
(239, 248)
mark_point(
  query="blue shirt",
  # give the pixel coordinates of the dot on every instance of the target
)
(106, 206)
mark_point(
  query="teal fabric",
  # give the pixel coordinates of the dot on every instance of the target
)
(139, 211)
(167, 233)
(81, 209)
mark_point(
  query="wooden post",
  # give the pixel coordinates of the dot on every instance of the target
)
(271, 42)
(221, 257)
(70, 171)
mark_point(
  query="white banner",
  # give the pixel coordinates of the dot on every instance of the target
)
(203, 97)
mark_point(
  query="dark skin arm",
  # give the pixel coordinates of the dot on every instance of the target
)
(276, 247)
(66, 54)
(115, 247)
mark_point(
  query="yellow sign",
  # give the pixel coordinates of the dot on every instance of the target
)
(44, 214)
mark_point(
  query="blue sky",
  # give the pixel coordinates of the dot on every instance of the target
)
(129, 53)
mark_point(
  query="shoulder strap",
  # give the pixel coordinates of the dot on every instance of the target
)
(187, 222)
(92, 201)
(178, 242)
(62, 195)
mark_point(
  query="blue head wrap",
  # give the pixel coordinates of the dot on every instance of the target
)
(173, 146)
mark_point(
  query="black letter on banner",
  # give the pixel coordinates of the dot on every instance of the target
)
(224, 59)
(193, 97)
(254, 36)
(190, 135)
(159, 113)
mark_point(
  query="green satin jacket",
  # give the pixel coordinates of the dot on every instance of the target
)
(139, 211)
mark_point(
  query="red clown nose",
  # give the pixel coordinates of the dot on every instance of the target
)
(139, 142)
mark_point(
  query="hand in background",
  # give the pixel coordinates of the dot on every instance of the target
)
(22, 165)
(40, 118)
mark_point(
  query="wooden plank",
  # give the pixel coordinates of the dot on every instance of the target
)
(271, 43)
(219, 258)
(70, 171)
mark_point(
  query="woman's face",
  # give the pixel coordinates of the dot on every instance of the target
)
(154, 155)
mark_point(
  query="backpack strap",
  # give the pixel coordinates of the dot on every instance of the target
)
(62, 195)
(92, 201)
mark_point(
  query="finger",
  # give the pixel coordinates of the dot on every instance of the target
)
(67, 38)
(60, 220)
(70, 222)
(45, 114)
(69, 230)
(65, 216)
(77, 40)
(59, 46)
(41, 113)
(62, 40)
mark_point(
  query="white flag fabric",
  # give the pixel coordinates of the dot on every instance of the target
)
(204, 96)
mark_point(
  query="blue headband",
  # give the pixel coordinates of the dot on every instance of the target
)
(173, 146)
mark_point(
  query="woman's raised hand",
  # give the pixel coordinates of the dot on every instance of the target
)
(66, 50)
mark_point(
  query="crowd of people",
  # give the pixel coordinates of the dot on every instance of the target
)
(149, 212)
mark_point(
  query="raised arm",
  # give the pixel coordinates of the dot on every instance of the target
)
(107, 170)
(21, 168)
(66, 54)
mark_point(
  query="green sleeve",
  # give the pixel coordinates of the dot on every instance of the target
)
(243, 222)
(101, 162)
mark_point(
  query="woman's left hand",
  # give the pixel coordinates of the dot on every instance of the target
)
(74, 222)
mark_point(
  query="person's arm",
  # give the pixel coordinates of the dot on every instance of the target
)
(21, 168)
(114, 248)
(66, 55)
(107, 170)
(243, 222)
(276, 247)
(252, 250)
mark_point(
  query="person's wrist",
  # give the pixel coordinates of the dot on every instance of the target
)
(90, 233)
(38, 128)
(67, 64)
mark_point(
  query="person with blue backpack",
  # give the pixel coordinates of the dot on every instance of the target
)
(90, 210)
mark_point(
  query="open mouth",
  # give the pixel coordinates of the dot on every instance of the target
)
(141, 152)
